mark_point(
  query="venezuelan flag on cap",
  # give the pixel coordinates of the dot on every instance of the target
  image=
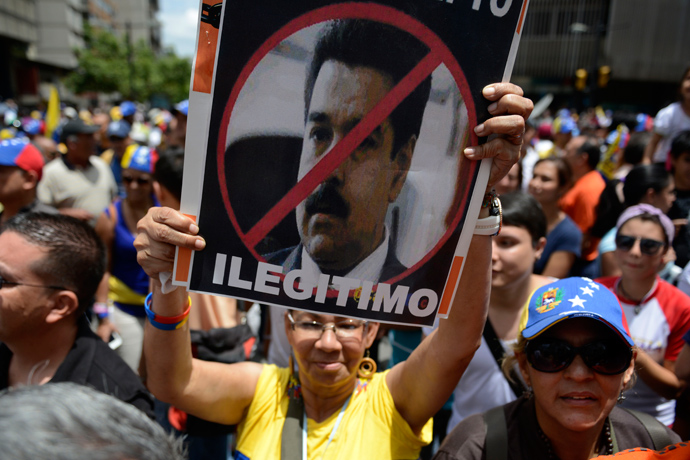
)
(573, 298)
(140, 158)
(22, 154)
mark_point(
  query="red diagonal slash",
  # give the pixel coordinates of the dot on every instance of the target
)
(342, 149)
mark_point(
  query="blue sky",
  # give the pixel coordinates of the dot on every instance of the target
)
(179, 23)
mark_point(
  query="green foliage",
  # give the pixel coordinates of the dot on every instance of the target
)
(107, 65)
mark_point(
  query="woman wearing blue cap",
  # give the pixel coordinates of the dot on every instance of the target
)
(576, 356)
(657, 312)
(125, 284)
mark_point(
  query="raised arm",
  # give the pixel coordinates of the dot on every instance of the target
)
(422, 384)
(212, 391)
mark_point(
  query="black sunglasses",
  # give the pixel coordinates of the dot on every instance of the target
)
(647, 246)
(138, 180)
(608, 357)
(4, 282)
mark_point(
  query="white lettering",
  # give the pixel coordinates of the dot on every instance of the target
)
(430, 304)
(344, 286)
(263, 276)
(383, 296)
(305, 290)
(365, 295)
(502, 10)
(234, 277)
(476, 5)
(219, 269)
(322, 288)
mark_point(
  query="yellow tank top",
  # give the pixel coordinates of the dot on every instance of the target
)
(371, 426)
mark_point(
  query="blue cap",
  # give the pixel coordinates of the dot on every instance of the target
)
(119, 129)
(22, 154)
(128, 108)
(574, 298)
(182, 107)
(140, 158)
(32, 127)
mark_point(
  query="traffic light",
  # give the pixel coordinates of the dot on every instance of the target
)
(604, 76)
(580, 79)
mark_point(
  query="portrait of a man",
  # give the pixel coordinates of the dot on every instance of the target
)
(342, 223)
(387, 204)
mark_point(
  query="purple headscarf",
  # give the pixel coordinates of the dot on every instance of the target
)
(639, 209)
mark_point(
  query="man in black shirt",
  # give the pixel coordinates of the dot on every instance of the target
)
(50, 268)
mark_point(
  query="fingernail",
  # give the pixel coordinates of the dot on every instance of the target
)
(493, 107)
(470, 151)
(489, 91)
(200, 243)
(479, 129)
(194, 229)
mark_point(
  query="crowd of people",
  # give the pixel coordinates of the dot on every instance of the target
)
(570, 338)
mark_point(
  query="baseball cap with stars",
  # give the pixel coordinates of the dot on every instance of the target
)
(573, 298)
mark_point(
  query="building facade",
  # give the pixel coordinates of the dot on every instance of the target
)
(632, 51)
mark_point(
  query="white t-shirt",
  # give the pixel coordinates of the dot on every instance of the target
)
(668, 123)
(482, 387)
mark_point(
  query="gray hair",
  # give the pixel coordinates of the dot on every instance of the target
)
(66, 421)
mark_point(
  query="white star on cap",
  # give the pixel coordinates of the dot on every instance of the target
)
(577, 302)
(588, 291)
(594, 285)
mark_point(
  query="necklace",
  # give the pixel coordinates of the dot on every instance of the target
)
(604, 439)
(621, 290)
(294, 391)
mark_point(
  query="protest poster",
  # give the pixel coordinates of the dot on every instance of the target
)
(326, 170)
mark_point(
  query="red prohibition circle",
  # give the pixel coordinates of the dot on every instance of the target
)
(373, 12)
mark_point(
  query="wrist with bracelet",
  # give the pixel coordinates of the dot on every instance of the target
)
(491, 225)
(166, 323)
(100, 309)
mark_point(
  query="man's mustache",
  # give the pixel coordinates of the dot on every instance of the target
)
(327, 200)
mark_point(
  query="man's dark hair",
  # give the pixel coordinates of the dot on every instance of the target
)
(680, 144)
(634, 150)
(75, 257)
(391, 51)
(168, 170)
(642, 178)
(521, 209)
(593, 151)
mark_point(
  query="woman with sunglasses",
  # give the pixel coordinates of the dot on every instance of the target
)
(645, 184)
(576, 356)
(657, 312)
(125, 284)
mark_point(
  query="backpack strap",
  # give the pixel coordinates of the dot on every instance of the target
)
(496, 441)
(498, 352)
(656, 430)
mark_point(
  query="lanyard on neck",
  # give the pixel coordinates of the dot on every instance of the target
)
(333, 431)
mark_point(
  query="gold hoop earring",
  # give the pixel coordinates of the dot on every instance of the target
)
(367, 367)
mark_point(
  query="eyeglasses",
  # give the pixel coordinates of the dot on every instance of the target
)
(345, 329)
(608, 357)
(647, 246)
(138, 180)
(4, 282)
